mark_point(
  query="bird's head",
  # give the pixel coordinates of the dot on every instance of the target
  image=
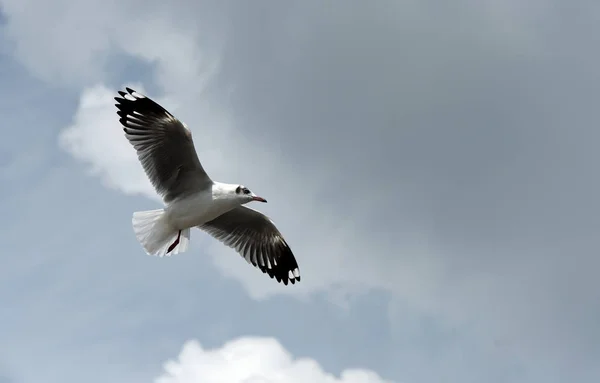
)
(246, 195)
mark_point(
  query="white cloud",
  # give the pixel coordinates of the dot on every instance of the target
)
(80, 38)
(253, 360)
(94, 135)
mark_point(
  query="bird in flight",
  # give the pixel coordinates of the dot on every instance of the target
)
(191, 198)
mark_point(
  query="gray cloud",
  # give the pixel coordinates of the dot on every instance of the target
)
(441, 120)
(483, 141)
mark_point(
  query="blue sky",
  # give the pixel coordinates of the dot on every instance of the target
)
(433, 166)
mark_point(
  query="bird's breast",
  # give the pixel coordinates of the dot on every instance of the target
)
(196, 210)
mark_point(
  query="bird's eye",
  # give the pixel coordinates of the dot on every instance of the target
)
(246, 191)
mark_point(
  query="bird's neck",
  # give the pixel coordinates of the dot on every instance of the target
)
(222, 190)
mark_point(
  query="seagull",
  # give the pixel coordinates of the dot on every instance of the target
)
(191, 198)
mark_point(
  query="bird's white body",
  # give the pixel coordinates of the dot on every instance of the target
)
(201, 207)
(158, 230)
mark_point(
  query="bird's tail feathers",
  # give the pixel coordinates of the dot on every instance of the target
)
(156, 236)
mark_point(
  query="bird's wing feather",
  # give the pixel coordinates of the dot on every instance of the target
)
(163, 144)
(255, 237)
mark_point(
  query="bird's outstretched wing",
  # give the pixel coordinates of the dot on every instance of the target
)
(255, 237)
(164, 146)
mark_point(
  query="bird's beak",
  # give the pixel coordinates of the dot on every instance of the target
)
(259, 199)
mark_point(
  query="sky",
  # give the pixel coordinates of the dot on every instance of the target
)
(433, 166)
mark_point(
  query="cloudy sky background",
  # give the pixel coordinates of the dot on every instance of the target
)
(433, 166)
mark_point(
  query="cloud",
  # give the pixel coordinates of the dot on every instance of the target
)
(252, 360)
(93, 135)
(105, 31)
(444, 155)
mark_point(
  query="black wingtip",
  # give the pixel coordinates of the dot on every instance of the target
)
(135, 102)
(285, 267)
